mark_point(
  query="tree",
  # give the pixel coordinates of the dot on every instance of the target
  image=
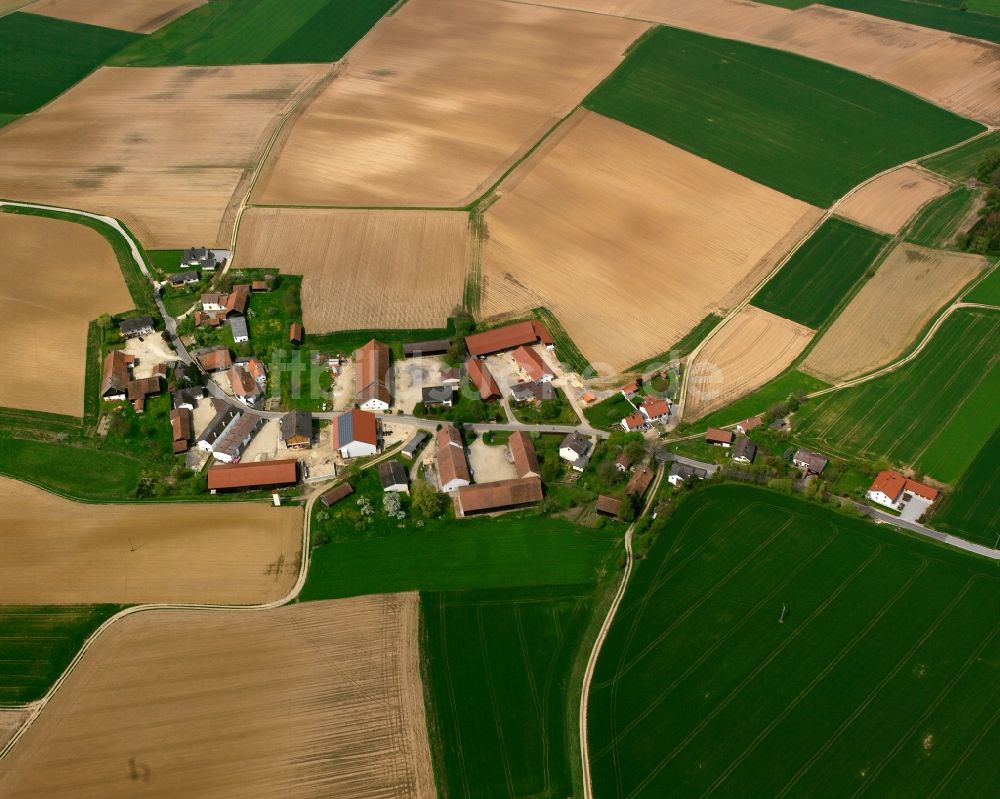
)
(988, 166)
(636, 450)
(550, 409)
(424, 499)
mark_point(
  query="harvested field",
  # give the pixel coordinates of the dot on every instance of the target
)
(141, 16)
(951, 71)
(363, 269)
(437, 101)
(61, 552)
(754, 347)
(10, 722)
(57, 277)
(152, 147)
(889, 201)
(887, 315)
(628, 240)
(316, 700)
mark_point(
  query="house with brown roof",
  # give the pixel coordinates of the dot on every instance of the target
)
(503, 495)
(719, 438)
(214, 359)
(182, 428)
(608, 506)
(260, 286)
(356, 434)
(810, 462)
(335, 494)
(235, 302)
(453, 467)
(214, 302)
(655, 409)
(138, 390)
(507, 338)
(373, 376)
(481, 378)
(890, 489)
(116, 375)
(451, 376)
(639, 481)
(296, 429)
(242, 384)
(634, 422)
(747, 425)
(629, 390)
(532, 391)
(296, 333)
(258, 475)
(531, 366)
(522, 452)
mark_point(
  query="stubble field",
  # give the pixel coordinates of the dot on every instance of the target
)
(58, 276)
(889, 201)
(752, 348)
(934, 414)
(880, 680)
(951, 71)
(152, 147)
(629, 241)
(437, 101)
(363, 269)
(61, 552)
(141, 16)
(890, 310)
(317, 700)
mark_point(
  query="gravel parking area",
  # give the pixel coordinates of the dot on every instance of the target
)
(489, 462)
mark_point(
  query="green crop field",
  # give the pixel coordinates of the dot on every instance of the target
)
(39, 642)
(741, 106)
(41, 57)
(938, 222)
(934, 414)
(972, 510)
(821, 273)
(501, 668)
(454, 554)
(928, 15)
(961, 163)
(987, 292)
(257, 32)
(883, 677)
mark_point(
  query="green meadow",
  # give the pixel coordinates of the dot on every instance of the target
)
(938, 222)
(972, 509)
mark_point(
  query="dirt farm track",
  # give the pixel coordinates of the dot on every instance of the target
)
(321, 700)
(60, 552)
(58, 276)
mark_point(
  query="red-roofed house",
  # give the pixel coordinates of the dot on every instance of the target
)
(355, 434)
(889, 487)
(655, 409)
(531, 366)
(507, 338)
(634, 421)
(482, 380)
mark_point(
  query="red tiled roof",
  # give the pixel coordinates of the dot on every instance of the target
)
(482, 379)
(372, 372)
(532, 364)
(631, 388)
(523, 452)
(609, 505)
(893, 484)
(181, 424)
(253, 475)
(236, 300)
(639, 481)
(656, 407)
(486, 497)
(116, 375)
(364, 426)
(634, 421)
(750, 424)
(506, 338)
(215, 359)
(336, 494)
(242, 383)
(257, 370)
(296, 333)
(452, 464)
(715, 435)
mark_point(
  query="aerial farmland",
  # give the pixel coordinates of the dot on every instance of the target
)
(487, 398)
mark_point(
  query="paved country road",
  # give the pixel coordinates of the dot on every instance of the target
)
(951, 540)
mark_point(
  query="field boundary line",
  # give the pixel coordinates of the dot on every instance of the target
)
(35, 708)
(588, 676)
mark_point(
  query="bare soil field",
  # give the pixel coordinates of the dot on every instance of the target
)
(59, 552)
(141, 16)
(888, 202)
(168, 151)
(58, 276)
(628, 240)
(887, 315)
(10, 722)
(754, 347)
(952, 71)
(437, 100)
(363, 269)
(322, 699)
(7, 6)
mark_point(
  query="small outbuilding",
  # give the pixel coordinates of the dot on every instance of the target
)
(296, 429)
(719, 438)
(744, 451)
(139, 326)
(609, 506)
(335, 494)
(393, 477)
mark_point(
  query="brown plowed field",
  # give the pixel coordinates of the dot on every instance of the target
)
(168, 151)
(141, 16)
(10, 722)
(437, 100)
(754, 347)
(630, 241)
(363, 269)
(57, 276)
(887, 315)
(952, 71)
(888, 202)
(57, 552)
(322, 699)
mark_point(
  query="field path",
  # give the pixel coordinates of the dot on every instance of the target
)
(588, 676)
(35, 708)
